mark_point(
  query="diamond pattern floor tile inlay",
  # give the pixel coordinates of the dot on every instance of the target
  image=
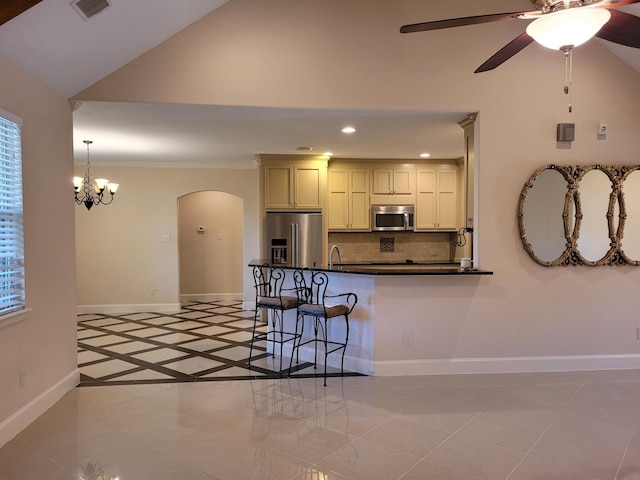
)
(203, 342)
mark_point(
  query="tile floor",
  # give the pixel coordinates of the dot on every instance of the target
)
(560, 426)
(555, 426)
(202, 342)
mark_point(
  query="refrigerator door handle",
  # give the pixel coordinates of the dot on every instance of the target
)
(294, 243)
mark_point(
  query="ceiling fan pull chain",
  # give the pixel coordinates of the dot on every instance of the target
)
(568, 67)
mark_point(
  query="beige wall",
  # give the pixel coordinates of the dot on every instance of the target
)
(122, 262)
(44, 344)
(210, 259)
(339, 54)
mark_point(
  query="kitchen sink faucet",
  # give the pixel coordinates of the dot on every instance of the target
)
(334, 248)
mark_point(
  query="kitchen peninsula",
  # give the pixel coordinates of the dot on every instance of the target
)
(396, 304)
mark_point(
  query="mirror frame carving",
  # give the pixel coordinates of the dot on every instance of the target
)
(571, 255)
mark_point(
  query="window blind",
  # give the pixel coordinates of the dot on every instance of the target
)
(12, 289)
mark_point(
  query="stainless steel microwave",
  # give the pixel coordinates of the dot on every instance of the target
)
(391, 217)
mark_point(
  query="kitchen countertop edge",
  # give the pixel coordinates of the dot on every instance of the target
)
(391, 269)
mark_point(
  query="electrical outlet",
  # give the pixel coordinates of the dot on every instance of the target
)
(23, 377)
(153, 292)
(407, 338)
(638, 333)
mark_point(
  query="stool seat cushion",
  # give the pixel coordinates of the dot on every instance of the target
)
(319, 310)
(285, 303)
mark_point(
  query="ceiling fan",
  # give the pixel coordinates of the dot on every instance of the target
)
(557, 24)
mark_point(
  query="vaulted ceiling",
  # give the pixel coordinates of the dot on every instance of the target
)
(69, 53)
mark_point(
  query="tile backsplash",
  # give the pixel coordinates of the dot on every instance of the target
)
(393, 246)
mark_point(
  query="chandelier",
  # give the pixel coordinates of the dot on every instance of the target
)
(91, 192)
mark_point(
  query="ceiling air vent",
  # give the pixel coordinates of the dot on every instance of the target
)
(88, 8)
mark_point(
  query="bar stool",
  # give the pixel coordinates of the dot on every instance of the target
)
(272, 297)
(322, 308)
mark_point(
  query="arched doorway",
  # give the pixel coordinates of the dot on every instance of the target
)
(210, 239)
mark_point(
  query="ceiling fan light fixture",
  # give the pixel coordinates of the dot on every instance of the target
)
(568, 28)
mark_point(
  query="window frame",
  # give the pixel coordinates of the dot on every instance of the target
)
(16, 309)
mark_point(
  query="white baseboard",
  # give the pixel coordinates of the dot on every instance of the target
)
(135, 308)
(306, 353)
(209, 297)
(506, 365)
(17, 422)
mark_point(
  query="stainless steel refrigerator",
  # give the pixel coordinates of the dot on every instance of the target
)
(294, 238)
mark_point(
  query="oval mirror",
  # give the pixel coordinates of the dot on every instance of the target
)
(544, 204)
(593, 242)
(630, 241)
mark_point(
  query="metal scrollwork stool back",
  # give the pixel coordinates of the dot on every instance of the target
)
(322, 308)
(273, 298)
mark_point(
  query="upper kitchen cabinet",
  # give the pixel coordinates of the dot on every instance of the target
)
(294, 185)
(437, 198)
(393, 184)
(393, 181)
(348, 198)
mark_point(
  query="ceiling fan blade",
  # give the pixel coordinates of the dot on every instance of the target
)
(459, 22)
(623, 28)
(506, 52)
(617, 3)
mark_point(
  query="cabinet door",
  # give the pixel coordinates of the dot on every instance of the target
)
(402, 182)
(338, 199)
(382, 181)
(426, 200)
(359, 211)
(446, 201)
(436, 204)
(279, 187)
(307, 188)
(393, 181)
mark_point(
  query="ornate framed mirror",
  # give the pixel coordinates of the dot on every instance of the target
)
(547, 215)
(596, 239)
(629, 227)
(581, 215)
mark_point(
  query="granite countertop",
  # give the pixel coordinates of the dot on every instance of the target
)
(378, 268)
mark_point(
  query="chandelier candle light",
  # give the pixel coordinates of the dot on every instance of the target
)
(90, 192)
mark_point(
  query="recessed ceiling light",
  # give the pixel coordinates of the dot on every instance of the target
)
(348, 130)
(305, 149)
(328, 154)
(425, 155)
